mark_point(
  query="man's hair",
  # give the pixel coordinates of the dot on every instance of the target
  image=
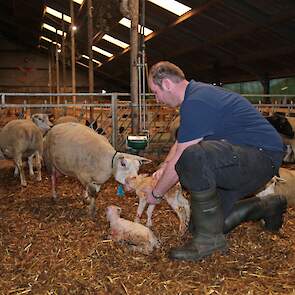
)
(165, 69)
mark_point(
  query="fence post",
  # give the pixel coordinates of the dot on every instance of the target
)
(114, 120)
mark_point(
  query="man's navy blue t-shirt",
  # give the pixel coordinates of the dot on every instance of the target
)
(214, 113)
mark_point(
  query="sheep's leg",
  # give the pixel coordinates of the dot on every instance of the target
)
(140, 208)
(38, 166)
(93, 189)
(15, 173)
(53, 183)
(19, 164)
(149, 213)
(30, 162)
(86, 197)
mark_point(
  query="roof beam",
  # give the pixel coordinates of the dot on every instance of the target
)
(204, 5)
(247, 29)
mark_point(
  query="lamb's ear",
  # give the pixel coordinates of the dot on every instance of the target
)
(279, 179)
(144, 175)
(119, 209)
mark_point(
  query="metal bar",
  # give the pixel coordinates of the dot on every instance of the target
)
(90, 52)
(65, 94)
(63, 55)
(114, 121)
(134, 13)
(73, 52)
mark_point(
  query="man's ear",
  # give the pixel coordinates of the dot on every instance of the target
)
(166, 84)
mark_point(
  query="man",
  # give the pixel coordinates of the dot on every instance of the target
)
(225, 150)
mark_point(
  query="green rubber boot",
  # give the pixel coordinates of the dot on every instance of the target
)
(207, 217)
(270, 209)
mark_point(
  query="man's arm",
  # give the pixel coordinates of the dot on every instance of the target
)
(157, 175)
(169, 176)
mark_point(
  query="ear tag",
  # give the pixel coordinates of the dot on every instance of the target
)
(120, 191)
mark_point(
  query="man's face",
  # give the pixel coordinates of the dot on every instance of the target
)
(162, 95)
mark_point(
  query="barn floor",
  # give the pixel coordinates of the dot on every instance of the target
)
(54, 248)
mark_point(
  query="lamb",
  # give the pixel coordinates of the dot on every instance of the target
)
(283, 185)
(75, 150)
(139, 237)
(174, 198)
(22, 139)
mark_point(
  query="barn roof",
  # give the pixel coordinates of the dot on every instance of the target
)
(214, 41)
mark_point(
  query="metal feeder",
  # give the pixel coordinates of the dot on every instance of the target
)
(137, 143)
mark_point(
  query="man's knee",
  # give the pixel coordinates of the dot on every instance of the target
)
(193, 170)
(191, 158)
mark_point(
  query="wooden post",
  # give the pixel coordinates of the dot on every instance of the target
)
(73, 54)
(90, 53)
(134, 13)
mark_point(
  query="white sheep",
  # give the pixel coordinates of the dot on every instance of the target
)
(43, 123)
(283, 185)
(21, 139)
(174, 198)
(66, 119)
(139, 237)
(75, 150)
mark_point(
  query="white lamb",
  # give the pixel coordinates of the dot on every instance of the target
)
(174, 198)
(139, 237)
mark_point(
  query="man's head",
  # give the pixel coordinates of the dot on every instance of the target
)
(167, 81)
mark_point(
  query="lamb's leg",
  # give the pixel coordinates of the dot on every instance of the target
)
(19, 164)
(140, 208)
(179, 204)
(149, 213)
(145, 249)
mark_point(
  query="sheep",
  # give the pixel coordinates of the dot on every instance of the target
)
(22, 139)
(75, 150)
(139, 237)
(43, 123)
(283, 185)
(66, 119)
(174, 198)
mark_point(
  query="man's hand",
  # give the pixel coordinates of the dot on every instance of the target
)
(149, 196)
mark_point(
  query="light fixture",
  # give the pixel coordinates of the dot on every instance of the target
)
(94, 60)
(49, 40)
(53, 29)
(127, 23)
(101, 51)
(57, 14)
(115, 41)
(172, 6)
